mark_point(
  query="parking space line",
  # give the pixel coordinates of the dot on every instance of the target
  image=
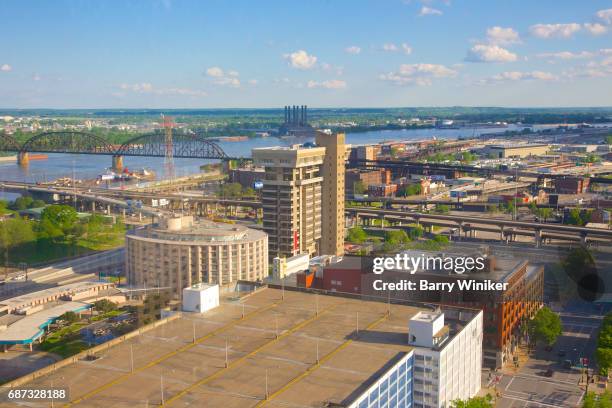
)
(168, 355)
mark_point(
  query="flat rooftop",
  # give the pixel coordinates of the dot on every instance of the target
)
(42, 296)
(29, 328)
(277, 340)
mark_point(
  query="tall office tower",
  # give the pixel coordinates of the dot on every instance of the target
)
(332, 197)
(291, 198)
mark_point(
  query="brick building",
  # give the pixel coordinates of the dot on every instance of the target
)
(504, 311)
(572, 185)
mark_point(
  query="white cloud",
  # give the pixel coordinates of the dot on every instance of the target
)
(418, 74)
(429, 11)
(353, 49)
(520, 76)
(141, 87)
(403, 47)
(593, 69)
(605, 16)
(36, 77)
(220, 77)
(147, 88)
(566, 55)
(490, 53)
(329, 67)
(554, 30)
(502, 36)
(301, 59)
(596, 28)
(389, 47)
(329, 84)
(253, 82)
(214, 72)
(5, 68)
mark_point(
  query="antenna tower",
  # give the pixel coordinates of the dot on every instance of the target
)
(169, 156)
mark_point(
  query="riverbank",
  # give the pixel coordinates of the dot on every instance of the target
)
(12, 158)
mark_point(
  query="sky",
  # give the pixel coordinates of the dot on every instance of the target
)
(323, 53)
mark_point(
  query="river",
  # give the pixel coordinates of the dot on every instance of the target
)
(84, 166)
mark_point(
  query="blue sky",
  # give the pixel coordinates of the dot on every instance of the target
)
(328, 53)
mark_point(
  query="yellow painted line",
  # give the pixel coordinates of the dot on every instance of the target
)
(315, 366)
(252, 353)
(166, 356)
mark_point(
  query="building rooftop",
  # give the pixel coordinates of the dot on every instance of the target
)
(199, 230)
(42, 296)
(275, 344)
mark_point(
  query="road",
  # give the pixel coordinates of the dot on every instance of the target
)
(528, 387)
(78, 269)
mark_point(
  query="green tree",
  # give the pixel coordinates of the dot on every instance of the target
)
(37, 204)
(104, 306)
(442, 239)
(15, 232)
(575, 217)
(396, 237)
(545, 326)
(545, 213)
(442, 209)
(475, 402)
(70, 317)
(468, 157)
(3, 206)
(22, 203)
(357, 235)
(592, 400)
(359, 187)
(57, 221)
(416, 232)
(509, 207)
(231, 190)
(410, 190)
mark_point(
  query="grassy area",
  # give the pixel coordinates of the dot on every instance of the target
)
(45, 250)
(65, 341)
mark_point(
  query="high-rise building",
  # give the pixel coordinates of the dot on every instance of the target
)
(291, 198)
(333, 169)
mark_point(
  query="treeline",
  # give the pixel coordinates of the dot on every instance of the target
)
(58, 233)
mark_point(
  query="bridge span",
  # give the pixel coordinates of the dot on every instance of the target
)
(184, 145)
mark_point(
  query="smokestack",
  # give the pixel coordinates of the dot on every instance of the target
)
(295, 114)
(305, 114)
(285, 114)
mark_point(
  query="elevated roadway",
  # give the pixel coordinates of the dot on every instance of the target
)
(503, 227)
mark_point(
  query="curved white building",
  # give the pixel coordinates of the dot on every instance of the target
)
(179, 252)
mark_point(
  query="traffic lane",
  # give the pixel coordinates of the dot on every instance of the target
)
(531, 388)
(526, 391)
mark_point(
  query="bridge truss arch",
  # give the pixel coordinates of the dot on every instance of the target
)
(184, 145)
(67, 141)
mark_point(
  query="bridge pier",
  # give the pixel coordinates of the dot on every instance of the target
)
(23, 158)
(117, 163)
(538, 238)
